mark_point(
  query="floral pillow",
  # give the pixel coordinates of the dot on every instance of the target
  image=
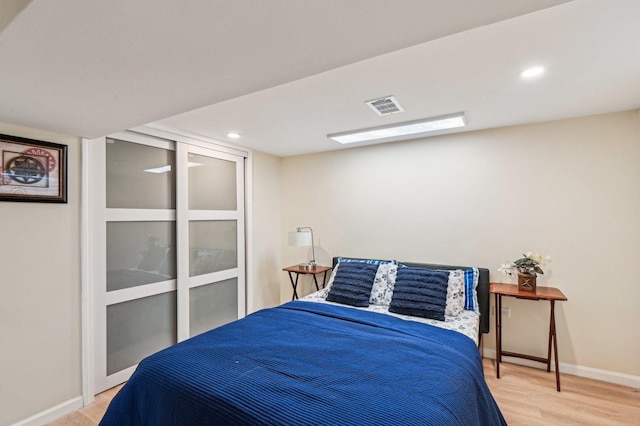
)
(455, 293)
(382, 289)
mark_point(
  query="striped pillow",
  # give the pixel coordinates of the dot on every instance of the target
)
(352, 284)
(470, 290)
(420, 293)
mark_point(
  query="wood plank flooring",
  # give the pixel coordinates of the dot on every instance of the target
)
(526, 396)
(92, 413)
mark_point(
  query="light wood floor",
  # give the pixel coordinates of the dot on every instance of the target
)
(92, 413)
(526, 396)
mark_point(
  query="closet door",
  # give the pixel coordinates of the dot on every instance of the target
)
(212, 256)
(167, 250)
(135, 277)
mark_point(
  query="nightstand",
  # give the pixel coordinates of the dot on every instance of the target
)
(542, 293)
(295, 269)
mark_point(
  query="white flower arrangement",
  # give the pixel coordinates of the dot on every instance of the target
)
(530, 264)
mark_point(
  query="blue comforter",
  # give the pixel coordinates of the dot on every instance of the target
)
(307, 363)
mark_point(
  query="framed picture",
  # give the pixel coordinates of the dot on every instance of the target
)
(32, 171)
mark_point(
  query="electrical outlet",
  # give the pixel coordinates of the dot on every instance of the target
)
(506, 312)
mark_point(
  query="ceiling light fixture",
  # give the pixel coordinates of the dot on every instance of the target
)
(401, 131)
(532, 72)
(233, 135)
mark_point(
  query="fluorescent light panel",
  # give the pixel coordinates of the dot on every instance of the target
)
(401, 131)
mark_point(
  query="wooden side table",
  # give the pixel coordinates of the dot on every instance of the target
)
(542, 293)
(295, 269)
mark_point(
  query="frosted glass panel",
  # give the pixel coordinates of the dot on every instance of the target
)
(212, 183)
(213, 305)
(139, 176)
(213, 246)
(140, 253)
(139, 328)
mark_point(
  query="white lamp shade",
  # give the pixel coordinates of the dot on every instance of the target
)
(297, 238)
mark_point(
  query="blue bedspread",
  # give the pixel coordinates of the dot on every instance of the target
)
(307, 363)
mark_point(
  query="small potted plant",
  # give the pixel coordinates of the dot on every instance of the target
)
(527, 267)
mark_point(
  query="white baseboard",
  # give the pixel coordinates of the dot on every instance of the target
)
(577, 370)
(52, 413)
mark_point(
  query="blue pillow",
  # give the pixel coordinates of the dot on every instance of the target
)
(420, 293)
(370, 261)
(470, 289)
(352, 284)
(471, 277)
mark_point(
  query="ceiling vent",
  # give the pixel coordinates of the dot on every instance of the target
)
(385, 106)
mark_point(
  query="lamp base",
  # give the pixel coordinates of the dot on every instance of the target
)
(308, 266)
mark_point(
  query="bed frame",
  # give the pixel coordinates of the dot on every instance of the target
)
(483, 288)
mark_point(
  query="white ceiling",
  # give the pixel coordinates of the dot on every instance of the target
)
(286, 73)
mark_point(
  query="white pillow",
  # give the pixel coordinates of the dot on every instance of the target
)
(382, 289)
(455, 293)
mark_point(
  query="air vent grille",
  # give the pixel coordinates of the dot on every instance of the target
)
(385, 106)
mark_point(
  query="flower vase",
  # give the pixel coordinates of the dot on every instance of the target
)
(526, 282)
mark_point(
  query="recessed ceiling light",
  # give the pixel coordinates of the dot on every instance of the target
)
(166, 169)
(532, 72)
(401, 131)
(233, 135)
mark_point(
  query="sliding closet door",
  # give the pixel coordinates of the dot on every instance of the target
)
(168, 253)
(212, 255)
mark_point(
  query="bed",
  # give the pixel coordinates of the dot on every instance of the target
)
(323, 362)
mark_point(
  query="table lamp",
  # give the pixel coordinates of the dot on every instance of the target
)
(300, 237)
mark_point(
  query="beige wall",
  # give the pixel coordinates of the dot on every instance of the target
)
(567, 189)
(267, 239)
(40, 362)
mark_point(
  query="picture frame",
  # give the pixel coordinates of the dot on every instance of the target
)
(32, 170)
